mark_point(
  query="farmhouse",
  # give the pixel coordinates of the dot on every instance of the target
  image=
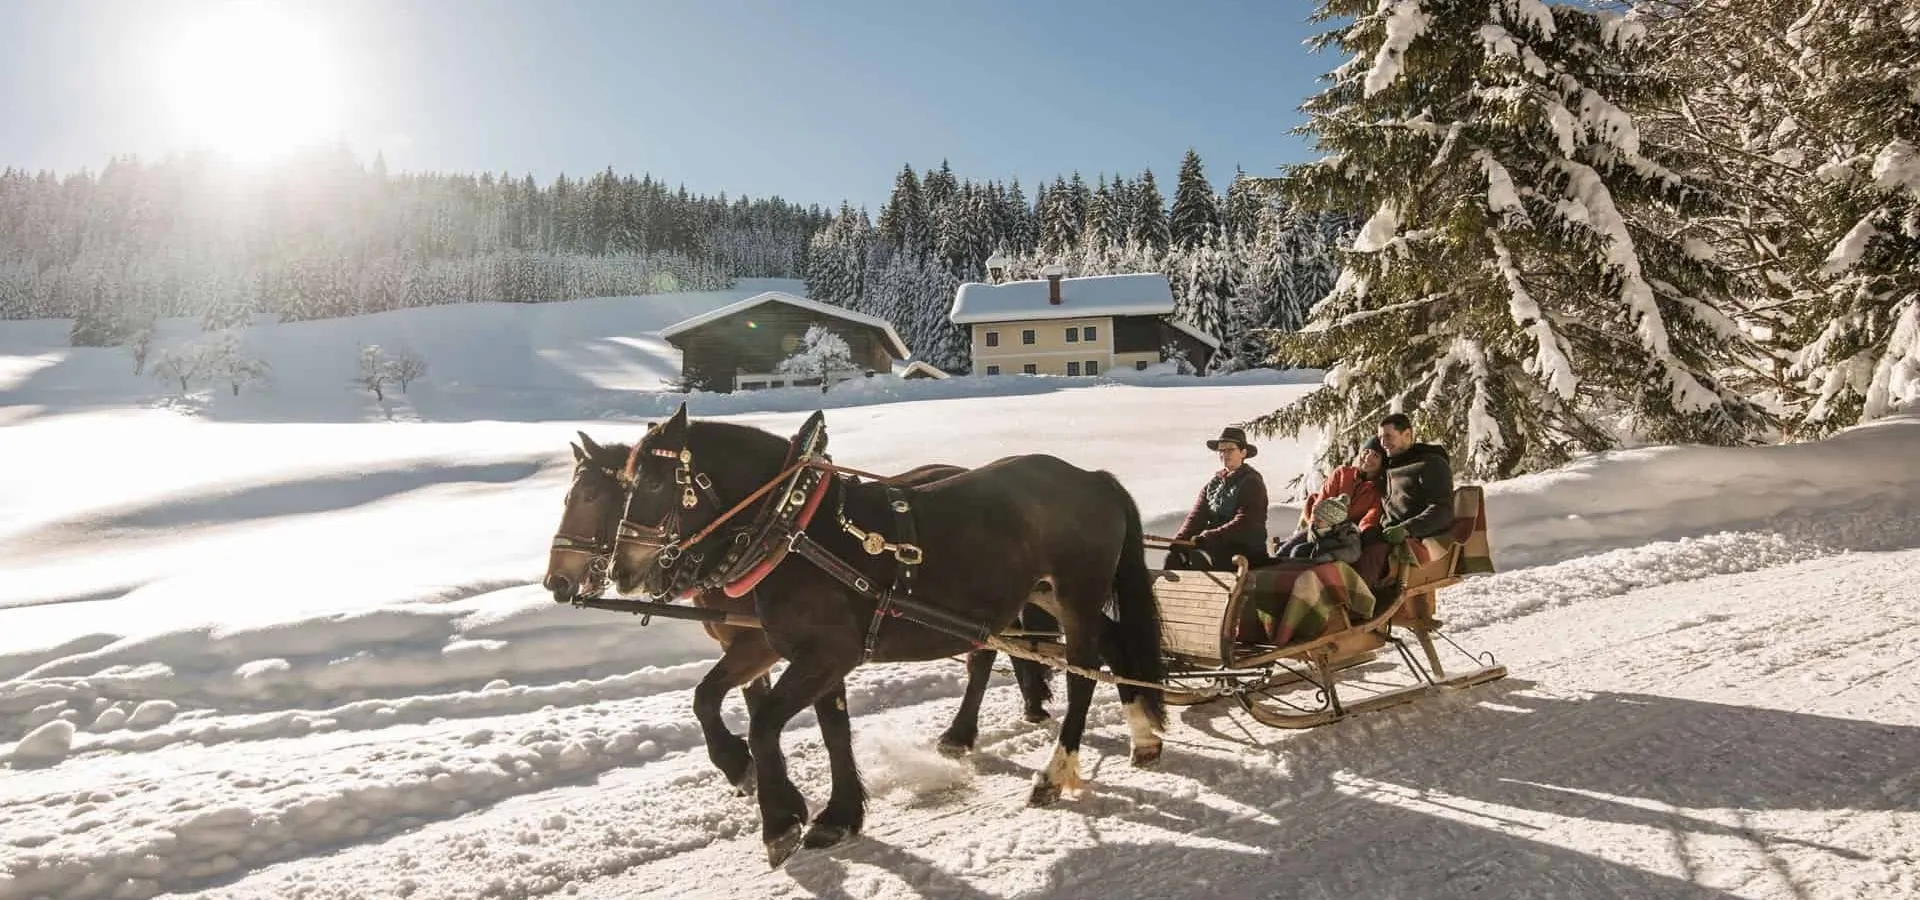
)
(1074, 326)
(738, 346)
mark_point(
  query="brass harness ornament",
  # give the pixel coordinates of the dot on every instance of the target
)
(876, 543)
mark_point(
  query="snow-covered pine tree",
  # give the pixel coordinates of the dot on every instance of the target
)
(904, 223)
(1196, 215)
(1103, 222)
(938, 187)
(1859, 331)
(1241, 213)
(1518, 288)
(1024, 231)
(1149, 222)
(836, 260)
(1079, 200)
(915, 295)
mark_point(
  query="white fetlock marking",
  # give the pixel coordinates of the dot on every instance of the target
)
(1141, 725)
(1063, 771)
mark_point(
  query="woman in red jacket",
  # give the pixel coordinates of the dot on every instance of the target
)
(1360, 484)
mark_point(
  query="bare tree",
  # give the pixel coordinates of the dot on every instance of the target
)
(373, 371)
(405, 366)
(140, 344)
(184, 364)
(241, 369)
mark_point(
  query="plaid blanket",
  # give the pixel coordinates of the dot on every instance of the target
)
(1296, 598)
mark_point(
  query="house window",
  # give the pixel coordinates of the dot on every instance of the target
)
(993, 370)
(1026, 336)
(1093, 367)
(1089, 333)
(1140, 365)
(1073, 368)
(1073, 335)
(1030, 368)
(993, 338)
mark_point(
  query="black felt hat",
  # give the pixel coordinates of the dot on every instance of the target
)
(1234, 435)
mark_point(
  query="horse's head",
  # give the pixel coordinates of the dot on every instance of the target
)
(596, 502)
(679, 480)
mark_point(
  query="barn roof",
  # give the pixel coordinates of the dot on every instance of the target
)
(1195, 333)
(1137, 294)
(898, 346)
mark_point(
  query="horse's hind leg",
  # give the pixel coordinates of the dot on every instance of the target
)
(846, 810)
(1035, 678)
(783, 809)
(960, 735)
(745, 659)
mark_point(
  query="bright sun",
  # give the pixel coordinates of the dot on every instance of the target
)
(253, 83)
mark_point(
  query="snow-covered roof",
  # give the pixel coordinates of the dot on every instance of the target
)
(1139, 294)
(894, 342)
(918, 365)
(1213, 343)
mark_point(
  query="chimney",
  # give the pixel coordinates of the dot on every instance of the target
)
(1053, 273)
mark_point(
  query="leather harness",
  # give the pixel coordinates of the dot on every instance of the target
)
(782, 527)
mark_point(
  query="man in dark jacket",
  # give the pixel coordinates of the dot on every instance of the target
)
(1418, 501)
(1230, 516)
(1419, 496)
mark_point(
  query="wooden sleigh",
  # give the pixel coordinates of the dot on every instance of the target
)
(1213, 624)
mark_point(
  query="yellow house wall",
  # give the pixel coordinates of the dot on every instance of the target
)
(1050, 352)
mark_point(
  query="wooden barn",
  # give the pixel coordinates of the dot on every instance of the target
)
(737, 346)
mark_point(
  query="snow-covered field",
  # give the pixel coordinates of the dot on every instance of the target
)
(288, 645)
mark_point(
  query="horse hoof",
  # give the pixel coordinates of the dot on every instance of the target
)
(953, 749)
(823, 835)
(1036, 716)
(743, 786)
(1044, 795)
(1146, 756)
(779, 848)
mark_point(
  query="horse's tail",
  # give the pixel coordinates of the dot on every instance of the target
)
(1137, 612)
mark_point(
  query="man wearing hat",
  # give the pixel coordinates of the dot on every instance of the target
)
(1230, 516)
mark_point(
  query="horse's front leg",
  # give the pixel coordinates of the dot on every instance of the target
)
(783, 809)
(847, 809)
(746, 658)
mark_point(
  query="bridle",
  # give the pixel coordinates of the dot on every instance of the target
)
(754, 549)
(670, 547)
(663, 538)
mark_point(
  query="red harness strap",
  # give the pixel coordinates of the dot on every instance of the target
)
(741, 586)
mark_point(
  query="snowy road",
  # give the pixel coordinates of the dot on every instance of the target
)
(1753, 735)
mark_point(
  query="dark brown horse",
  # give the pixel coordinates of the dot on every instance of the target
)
(963, 554)
(745, 655)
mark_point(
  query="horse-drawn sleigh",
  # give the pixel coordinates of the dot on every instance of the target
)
(933, 564)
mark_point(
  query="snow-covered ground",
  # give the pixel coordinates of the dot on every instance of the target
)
(289, 645)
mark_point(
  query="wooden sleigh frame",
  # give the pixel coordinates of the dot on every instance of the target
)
(1202, 614)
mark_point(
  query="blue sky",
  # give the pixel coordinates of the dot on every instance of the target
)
(816, 101)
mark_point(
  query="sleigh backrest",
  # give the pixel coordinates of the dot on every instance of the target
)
(1470, 531)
